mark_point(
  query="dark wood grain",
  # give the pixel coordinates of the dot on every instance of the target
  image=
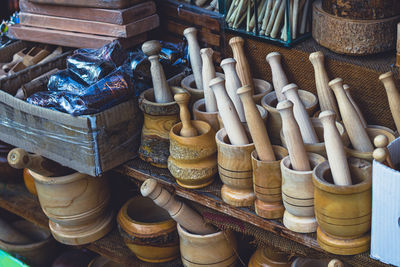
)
(90, 3)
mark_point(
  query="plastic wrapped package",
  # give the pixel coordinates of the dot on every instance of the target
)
(111, 52)
(66, 80)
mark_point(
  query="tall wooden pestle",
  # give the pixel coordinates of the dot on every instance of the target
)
(393, 96)
(162, 92)
(208, 73)
(335, 149)
(279, 78)
(294, 142)
(300, 114)
(179, 211)
(18, 158)
(381, 141)
(360, 115)
(356, 131)
(242, 65)
(233, 126)
(194, 55)
(232, 83)
(256, 125)
(187, 128)
(326, 98)
(10, 235)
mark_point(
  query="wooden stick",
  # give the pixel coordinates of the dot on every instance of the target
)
(179, 211)
(304, 17)
(208, 73)
(360, 115)
(294, 142)
(54, 54)
(248, 15)
(162, 92)
(256, 125)
(300, 114)
(229, 116)
(335, 149)
(278, 19)
(356, 131)
(279, 78)
(194, 55)
(241, 19)
(272, 18)
(36, 85)
(231, 9)
(260, 13)
(266, 17)
(240, 11)
(232, 83)
(295, 17)
(393, 96)
(187, 128)
(284, 31)
(242, 65)
(381, 141)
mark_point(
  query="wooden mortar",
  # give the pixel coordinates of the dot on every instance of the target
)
(213, 250)
(267, 180)
(235, 170)
(77, 206)
(274, 124)
(200, 113)
(319, 148)
(344, 212)
(298, 195)
(263, 113)
(29, 182)
(261, 88)
(193, 160)
(148, 230)
(269, 257)
(306, 262)
(158, 121)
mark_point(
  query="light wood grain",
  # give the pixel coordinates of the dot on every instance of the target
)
(187, 128)
(208, 73)
(242, 64)
(393, 96)
(360, 115)
(194, 55)
(279, 78)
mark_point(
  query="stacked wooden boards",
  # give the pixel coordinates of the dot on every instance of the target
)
(88, 27)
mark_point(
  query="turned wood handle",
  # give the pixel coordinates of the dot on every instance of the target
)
(194, 55)
(279, 78)
(227, 111)
(300, 114)
(256, 125)
(187, 128)
(393, 96)
(56, 52)
(232, 83)
(34, 56)
(356, 131)
(326, 98)
(179, 211)
(18, 158)
(294, 142)
(381, 141)
(162, 92)
(17, 57)
(208, 73)
(151, 48)
(359, 113)
(335, 263)
(335, 149)
(242, 65)
(11, 235)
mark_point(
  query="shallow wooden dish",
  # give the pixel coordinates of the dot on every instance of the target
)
(148, 230)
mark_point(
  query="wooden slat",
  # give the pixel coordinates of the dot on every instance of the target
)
(114, 16)
(206, 37)
(114, 4)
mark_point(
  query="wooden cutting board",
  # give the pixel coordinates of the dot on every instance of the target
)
(113, 16)
(69, 39)
(91, 27)
(114, 4)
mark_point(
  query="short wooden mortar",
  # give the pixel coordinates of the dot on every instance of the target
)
(235, 170)
(214, 250)
(193, 160)
(269, 257)
(267, 180)
(298, 196)
(148, 230)
(343, 212)
(270, 101)
(158, 121)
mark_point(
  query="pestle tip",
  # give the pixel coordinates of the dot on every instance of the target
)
(316, 55)
(381, 141)
(182, 98)
(346, 87)
(18, 158)
(385, 75)
(379, 154)
(148, 187)
(151, 48)
(236, 40)
(189, 31)
(207, 51)
(273, 55)
(337, 81)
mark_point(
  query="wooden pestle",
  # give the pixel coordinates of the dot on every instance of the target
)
(393, 96)
(18, 158)
(234, 128)
(335, 263)
(208, 73)
(162, 92)
(335, 149)
(381, 141)
(242, 65)
(294, 142)
(326, 98)
(256, 125)
(36, 85)
(300, 114)
(9, 234)
(179, 211)
(187, 128)
(194, 55)
(356, 131)
(232, 83)
(360, 115)
(279, 78)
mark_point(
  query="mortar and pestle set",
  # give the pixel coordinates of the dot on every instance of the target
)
(76, 204)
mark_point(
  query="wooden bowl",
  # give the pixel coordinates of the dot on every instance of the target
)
(193, 160)
(148, 230)
(39, 253)
(269, 257)
(305, 262)
(319, 148)
(213, 250)
(270, 101)
(158, 121)
(200, 113)
(29, 182)
(261, 89)
(263, 113)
